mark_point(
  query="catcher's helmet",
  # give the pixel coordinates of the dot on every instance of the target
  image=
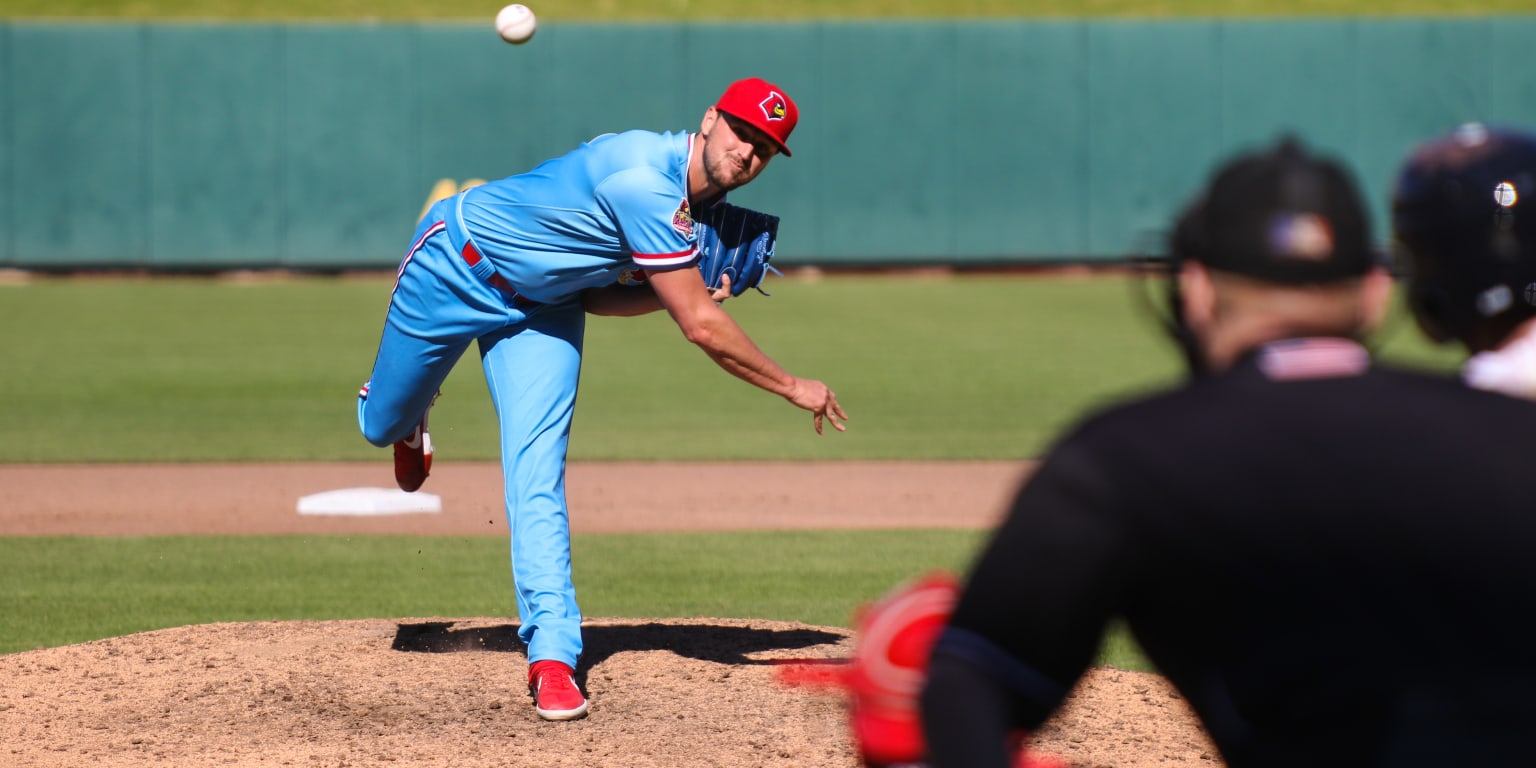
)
(1464, 221)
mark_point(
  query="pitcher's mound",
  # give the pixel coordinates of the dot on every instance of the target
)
(669, 693)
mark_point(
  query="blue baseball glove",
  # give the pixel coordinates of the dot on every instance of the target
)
(738, 242)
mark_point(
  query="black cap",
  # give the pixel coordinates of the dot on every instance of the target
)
(1282, 215)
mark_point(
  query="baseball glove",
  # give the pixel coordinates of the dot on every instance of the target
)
(738, 242)
(885, 676)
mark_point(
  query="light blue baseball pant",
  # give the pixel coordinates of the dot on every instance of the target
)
(531, 354)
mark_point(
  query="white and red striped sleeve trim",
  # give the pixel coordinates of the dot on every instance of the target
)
(662, 262)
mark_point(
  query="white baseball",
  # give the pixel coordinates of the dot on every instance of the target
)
(515, 23)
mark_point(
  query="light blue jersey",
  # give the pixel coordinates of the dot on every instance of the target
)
(618, 202)
(509, 266)
(502, 265)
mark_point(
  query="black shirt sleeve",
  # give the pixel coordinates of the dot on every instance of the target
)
(1033, 611)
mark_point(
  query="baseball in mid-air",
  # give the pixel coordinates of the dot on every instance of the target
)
(515, 23)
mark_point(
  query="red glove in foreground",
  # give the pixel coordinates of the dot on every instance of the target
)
(886, 674)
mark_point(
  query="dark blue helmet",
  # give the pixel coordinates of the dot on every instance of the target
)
(1464, 225)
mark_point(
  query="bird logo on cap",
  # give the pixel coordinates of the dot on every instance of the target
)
(774, 107)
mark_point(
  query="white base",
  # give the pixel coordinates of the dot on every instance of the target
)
(370, 501)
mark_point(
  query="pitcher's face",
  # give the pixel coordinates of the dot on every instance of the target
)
(734, 151)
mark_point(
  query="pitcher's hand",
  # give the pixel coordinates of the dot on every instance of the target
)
(821, 401)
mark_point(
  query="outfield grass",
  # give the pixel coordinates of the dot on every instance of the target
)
(62, 590)
(961, 367)
(602, 10)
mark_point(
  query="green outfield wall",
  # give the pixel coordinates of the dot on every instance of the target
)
(212, 146)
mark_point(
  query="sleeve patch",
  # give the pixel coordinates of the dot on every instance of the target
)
(682, 219)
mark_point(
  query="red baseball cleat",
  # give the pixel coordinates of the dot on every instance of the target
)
(413, 455)
(413, 458)
(555, 695)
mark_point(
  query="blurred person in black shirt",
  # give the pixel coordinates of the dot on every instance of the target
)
(1330, 558)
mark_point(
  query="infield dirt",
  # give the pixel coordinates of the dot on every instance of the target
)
(449, 691)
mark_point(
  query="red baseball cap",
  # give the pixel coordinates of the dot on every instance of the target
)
(763, 105)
